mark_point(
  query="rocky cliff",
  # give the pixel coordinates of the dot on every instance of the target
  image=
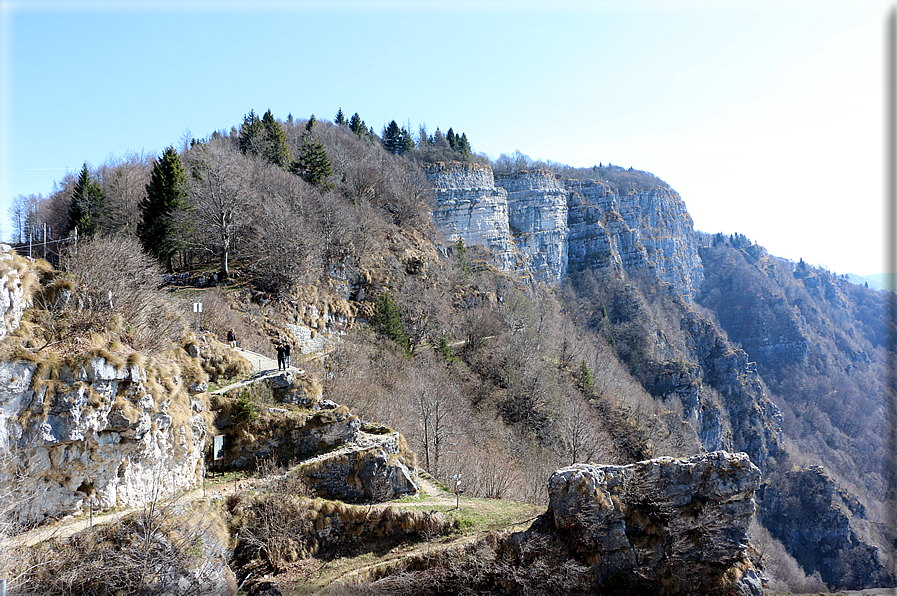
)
(16, 277)
(681, 524)
(647, 230)
(537, 219)
(825, 528)
(114, 434)
(469, 206)
(556, 226)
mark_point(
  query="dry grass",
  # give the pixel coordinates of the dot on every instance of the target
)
(146, 552)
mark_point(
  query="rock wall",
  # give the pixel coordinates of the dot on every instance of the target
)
(15, 277)
(469, 206)
(537, 218)
(534, 222)
(373, 468)
(755, 422)
(825, 528)
(647, 231)
(117, 435)
(337, 457)
(680, 523)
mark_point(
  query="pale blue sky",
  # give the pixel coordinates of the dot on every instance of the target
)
(765, 115)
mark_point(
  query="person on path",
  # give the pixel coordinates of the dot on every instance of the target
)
(286, 355)
(280, 356)
(232, 338)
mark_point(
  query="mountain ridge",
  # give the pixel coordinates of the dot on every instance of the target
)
(506, 324)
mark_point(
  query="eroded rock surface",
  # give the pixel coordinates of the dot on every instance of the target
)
(113, 435)
(825, 528)
(537, 223)
(661, 520)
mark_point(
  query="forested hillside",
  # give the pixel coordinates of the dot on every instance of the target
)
(310, 229)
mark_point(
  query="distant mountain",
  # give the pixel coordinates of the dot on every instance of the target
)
(878, 281)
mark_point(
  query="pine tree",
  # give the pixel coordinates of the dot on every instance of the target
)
(340, 119)
(387, 320)
(450, 137)
(313, 164)
(311, 123)
(585, 376)
(86, 205)
(165, 194)
(392, 138)
(406, 142)
(462, 144)
(252, 134)
(276, 150)
(357, 125)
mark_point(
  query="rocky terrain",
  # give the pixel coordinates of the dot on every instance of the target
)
(485, 329)
(536, 222)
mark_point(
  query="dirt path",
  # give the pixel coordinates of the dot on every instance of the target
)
(262, 368)
(70, 526)
(261, 363)
(485, 514)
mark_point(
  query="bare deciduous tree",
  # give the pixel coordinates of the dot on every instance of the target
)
(220, 194)
(124, 186)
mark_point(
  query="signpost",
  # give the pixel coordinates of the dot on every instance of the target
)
(218, 451)
(197, 308)
(457, 478)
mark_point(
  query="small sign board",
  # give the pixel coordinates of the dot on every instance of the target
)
(197, 307)
(217, 447)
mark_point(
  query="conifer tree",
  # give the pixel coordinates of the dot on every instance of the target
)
(165, 194)
(357, 125)
(252, 134)
(392, 138)
(462, 144)
(276, 150)
(406, 142)
(387, 320)
(450, 137)
(311, 123)
(86, 206)
(585, 376)
(312, 164)
(340, 119)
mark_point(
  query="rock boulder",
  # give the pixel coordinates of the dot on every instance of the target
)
(679, 521)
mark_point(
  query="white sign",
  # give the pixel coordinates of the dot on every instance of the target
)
(197, 307)
(217, 447)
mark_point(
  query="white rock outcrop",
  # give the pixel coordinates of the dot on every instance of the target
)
(13, 300)
(96, 433)
(537, 217)
(535, 222)
(469, 206)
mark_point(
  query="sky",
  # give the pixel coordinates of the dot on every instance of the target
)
(766, 116)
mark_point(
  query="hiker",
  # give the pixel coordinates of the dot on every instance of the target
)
(280, 356)
(286, 355)
(232, 339)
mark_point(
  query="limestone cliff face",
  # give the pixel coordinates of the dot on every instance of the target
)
(665, 521)
(535, 222)
(119, 435)
(647, 230)
(537, 217)
(469, 206)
